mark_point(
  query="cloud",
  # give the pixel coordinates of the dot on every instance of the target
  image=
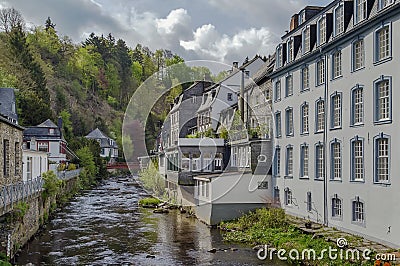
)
(227, 30)
(209, 43)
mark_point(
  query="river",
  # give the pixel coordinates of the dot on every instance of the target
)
(105, 226)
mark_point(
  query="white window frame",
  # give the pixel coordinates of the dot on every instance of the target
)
(383, 100)
(358, 54)
(337, 207)
(336, 64)
(357, 106)
(360, 10)
(338, 19)
(357, 160)
(384, 4)
(306, 40)
(382, 158)
(378, 58)
(336, 110)
(320, 116)
(289, 161)
(289, 125)
(305, 118)
(305, 78)
(289, 85)
(304, 161)
(278, 91)
(336, 160)
(358, 211)
(319, 161)
(321, 29)
(290, 50)
(320, 72)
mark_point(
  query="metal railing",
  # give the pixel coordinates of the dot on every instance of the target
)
(67, 175)
(11, 194)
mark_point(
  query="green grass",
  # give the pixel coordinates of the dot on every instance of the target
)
(270, 227)
(149, 202)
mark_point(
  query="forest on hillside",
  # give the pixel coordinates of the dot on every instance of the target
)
(89, 84)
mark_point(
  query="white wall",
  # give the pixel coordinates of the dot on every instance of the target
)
(38, 164)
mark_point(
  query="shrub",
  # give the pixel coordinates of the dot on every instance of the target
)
(149, 202)
(51, 185)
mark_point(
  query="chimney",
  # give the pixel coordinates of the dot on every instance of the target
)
(294, 22)
(235, 64)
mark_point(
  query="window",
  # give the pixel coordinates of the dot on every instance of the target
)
(336, 161)
(304, 161)
(320, 162)
(320, 116)
(322, 31)
(289, 161)
(290, 50)
(383, 100)
(384, 3)
(278, 126)
(306, 40)
(383, 43)
(276, 195)
(17, 158)
(43, 146)
(29, 168)
(289, 122)
(309, 201)
(305, 79)
(289, 85)
(336, 113)
(185, 162)
(337, 64)
(358, 55)
(305, 118)
(279, 56)
(339, 20)
(357, 164)
(230, 97)
(358, 211)
(357, 115)
(288, 197)
(277, 91)
(6, 158)
(321, 72)
(277, 160)
(382, 159)
(336, 207)
(360, 10)
(196, 162)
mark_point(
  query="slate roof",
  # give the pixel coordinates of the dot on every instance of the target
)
(42, 131)
(7, 103)
(103, 138)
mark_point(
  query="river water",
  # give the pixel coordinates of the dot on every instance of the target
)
(105, 226)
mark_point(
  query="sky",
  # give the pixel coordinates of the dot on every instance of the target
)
(219, 30)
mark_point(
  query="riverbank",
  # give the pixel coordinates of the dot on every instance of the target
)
(272, 227)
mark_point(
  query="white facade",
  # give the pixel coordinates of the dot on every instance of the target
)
(34, 164)
(335, 120)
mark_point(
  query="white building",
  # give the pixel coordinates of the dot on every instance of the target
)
(109, 148)
(34, 164)
(336, 128)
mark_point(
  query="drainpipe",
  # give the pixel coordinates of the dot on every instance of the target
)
(241, 96)
(325, 141)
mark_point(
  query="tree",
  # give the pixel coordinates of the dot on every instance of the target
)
(10, 18)
(49, 24)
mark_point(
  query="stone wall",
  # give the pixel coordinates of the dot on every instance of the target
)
(21, 228)
(13, 136)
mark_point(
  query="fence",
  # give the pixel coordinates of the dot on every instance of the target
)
(11, 194)
(67, 175)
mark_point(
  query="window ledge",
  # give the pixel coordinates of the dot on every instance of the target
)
(358, 69)
(357, 125)
(335, 128)
(304, 90)
(382, 61)
(319, 132)
(381, 122)
(288, 177)
(336, 180)
(304, 178)
(357, 181)
(383, 184)
(337, 218)
(304, 134)
(318, 179)
(278, 100)
(289, 135)
(337, 78)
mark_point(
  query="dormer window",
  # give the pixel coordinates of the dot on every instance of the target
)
(385, 3)
(321, 30)
(306, 40)
(339, 19)
(279, 56)
(290, 50)
(51, 131)
(360, 10)
(302, 17)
